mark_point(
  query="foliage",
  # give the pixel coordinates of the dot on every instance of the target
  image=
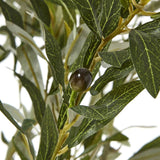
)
(78, 34)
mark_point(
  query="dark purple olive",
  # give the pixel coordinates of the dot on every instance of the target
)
(80, 80)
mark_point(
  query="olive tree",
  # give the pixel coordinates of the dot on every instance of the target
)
(80, 38)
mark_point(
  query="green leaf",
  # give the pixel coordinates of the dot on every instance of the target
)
(89, 11)
(25, 37)
(49, 136)
(91, 50)
(111, 74)
(15, 113)
(125, 3)
(54, 55)
(36, 97)
(117, 137)
(3, 53)
(149, 151)
(146, 59)
(42, 10)
(114, 102)
(78, 42)
(10, 35)
(10, 118)
(21, 146)
(150, 27)
(110, 16)
(30, 65)
(64, 108)
(11, 14)
(124, 12)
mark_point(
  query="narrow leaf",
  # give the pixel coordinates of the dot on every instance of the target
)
(116, 58)
(150, 27)
(10, 118)
(21, 145)
(54, 55)
(11, 14)
(154, 144)
(110, 16)
(41, 10)
(146, 58)
(49, 136)
(114, 101)
(111, 74)
(30, 64)
(89, 12)
(37, 99)
(25, 37)
(149, 151)
(15, 113)
(64, 108)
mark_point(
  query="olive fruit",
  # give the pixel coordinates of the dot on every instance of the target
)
(80, 80)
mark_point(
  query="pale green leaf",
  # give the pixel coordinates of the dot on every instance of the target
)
(25, 37)
(146, 59)
(30, 65)
(22, 147)
(10, 118)
(14, 112)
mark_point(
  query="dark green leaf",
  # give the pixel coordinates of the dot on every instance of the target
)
(114, 101)
(149, 151)
(116, 58)
(125, 3)
(49, 136)
(19, 141)
(89, 12)
(110, 16)
(41, 10)
(64, 108)
(37, 99)
(117, 137)
(10, 118)
(55, 1)
(4, 139)
(156, 16)
(91, 50)
(54, 55)
(11, 14)
(150, 27)
(111, 74)
(146, 58)
(124, 12)
(3, 53)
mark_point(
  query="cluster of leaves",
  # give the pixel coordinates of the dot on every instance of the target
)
(78, 34)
